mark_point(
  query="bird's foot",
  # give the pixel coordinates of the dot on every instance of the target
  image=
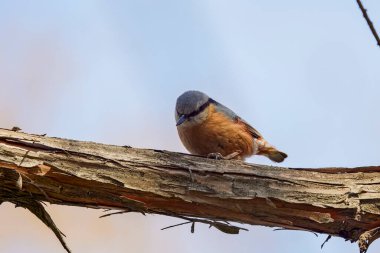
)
(219, 156)
(216, 156)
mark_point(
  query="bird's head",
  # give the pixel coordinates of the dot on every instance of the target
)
(191, 108)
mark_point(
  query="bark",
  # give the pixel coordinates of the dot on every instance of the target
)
(340, 202)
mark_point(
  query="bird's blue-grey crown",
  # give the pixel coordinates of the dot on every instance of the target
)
(189, 104)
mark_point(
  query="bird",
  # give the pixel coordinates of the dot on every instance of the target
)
(208, 128)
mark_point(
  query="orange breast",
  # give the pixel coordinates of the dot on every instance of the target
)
(217, 134)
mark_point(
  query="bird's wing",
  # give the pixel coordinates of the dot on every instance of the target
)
(249, 128)
(230, 114)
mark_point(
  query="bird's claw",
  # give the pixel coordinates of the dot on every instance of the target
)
(219, 156)
(216, 156)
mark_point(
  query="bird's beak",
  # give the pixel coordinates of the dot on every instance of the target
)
(181, 120)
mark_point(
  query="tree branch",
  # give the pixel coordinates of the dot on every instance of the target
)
(369, 22)
(340, 202)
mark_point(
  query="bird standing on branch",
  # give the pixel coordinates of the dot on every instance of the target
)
(210, 129)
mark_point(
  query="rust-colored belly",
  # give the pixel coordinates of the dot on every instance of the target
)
(217, 134)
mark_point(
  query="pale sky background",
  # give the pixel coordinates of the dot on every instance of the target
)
(304, 73)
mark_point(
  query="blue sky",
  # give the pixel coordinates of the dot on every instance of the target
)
(305, 74)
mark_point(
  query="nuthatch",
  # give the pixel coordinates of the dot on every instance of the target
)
(208, 128)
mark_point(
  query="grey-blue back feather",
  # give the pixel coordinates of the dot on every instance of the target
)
(225, 110)
(233, 116)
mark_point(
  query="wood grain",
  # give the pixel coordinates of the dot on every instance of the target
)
(340, 202)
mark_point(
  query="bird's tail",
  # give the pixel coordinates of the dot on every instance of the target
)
(275, 155)
(271, 152)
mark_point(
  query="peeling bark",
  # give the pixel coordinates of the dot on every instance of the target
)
(340, 202)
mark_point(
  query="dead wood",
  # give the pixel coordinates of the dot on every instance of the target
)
(341, 202)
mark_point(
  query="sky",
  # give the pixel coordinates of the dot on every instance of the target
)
(304, 73)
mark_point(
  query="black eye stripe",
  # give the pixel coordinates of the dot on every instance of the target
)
(200, 109)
